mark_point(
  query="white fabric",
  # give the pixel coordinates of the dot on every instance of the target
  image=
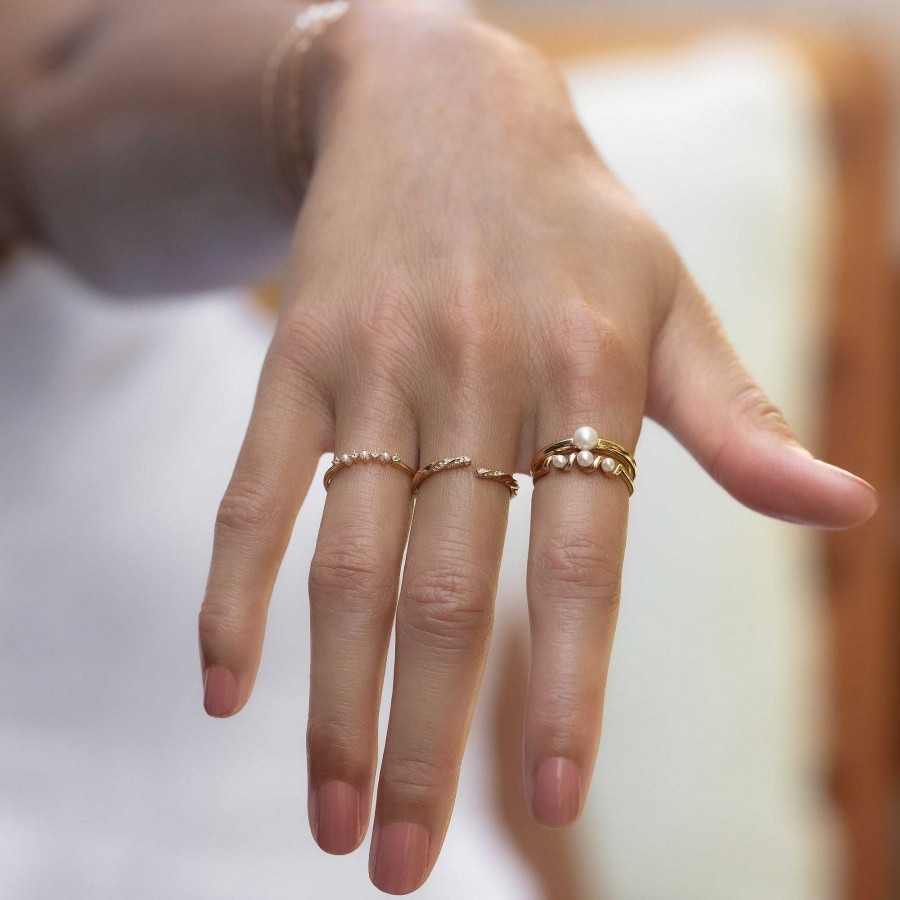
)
(120, 423)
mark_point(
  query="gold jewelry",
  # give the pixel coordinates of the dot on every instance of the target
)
(589, 452)
(308, 25)
(462, 462)
(346, 460)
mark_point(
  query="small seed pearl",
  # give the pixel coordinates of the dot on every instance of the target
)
(585, 459)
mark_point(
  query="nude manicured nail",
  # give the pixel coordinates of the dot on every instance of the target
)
(219, 691)
(402, 858)
(836, 471)
(337, 817)
(848, 476)
(557, 792)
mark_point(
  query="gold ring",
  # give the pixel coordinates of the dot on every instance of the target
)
(346, 460)
(462, 462)
(589, 452)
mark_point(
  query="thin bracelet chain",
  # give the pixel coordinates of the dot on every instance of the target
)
(310, 23)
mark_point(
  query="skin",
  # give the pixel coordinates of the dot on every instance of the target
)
(464, 276)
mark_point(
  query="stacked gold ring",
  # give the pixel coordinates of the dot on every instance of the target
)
(589, 452)
(460, 462)
(346, 460)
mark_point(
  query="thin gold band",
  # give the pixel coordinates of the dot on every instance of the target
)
(462, 462)
(346, 460)
(588, 452)
(308, 25)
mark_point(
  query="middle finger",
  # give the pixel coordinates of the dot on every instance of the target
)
(443, 629)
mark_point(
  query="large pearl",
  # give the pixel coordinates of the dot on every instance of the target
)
(585, 438)
(608, 464)
(585, 459)
(558, 461)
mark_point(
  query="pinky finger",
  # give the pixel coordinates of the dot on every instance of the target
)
(700, 391)
(276, 463)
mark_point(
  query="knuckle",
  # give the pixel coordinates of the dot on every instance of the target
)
(476, 334)
(417, 780)
(338, 737)
(388, 330)
(752, 405)
(294, 377)
(220, 623)
(572, 565)
(567, 710)
(586, 348)
(386, 342)
(449, 606)
(751, 409)
(248, 508)
(345, 574)
(297, 344)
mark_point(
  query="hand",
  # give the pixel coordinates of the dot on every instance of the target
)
(467, 278)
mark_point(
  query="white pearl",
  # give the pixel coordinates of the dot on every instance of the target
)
(608, 465)
(364, 454)
(558, 461)
(585, 459)
(385, 457)
(345, 458)
(585, 438)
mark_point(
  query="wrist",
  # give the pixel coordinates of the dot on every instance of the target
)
(403, 69)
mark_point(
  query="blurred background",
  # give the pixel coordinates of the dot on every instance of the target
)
(763, 136)
(750, 743)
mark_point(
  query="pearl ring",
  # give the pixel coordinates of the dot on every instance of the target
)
(346, 460)
(589, 452)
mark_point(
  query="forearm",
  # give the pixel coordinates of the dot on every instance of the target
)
(134, 139)
(140, 153)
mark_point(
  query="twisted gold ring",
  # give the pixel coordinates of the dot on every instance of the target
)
(589, 452)
(462, 462)
(346, 460)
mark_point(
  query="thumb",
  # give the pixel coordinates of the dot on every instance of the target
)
(700, 391)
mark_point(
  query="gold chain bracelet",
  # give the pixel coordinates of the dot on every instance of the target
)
(291, 174)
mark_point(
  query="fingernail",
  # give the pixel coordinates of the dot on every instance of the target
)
(849, 476)
(834, 470)
(401, 859)
(337, 817)
(557, 792)
(219, 691)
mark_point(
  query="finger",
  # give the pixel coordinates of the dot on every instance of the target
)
(444, 623)
(575, 560)
(700, 391)
(284, 440)
(353, 592)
